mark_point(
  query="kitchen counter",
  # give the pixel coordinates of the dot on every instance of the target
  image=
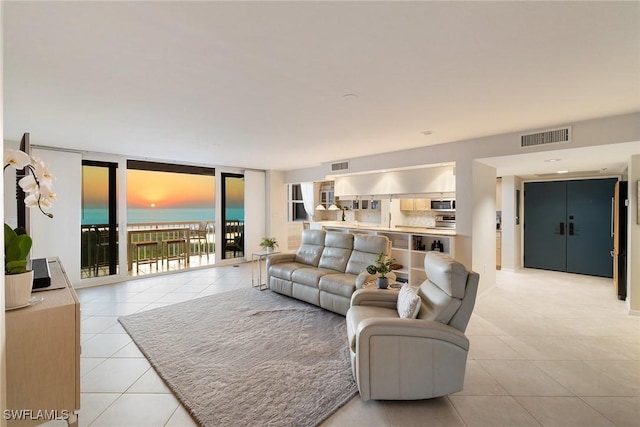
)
(397, 229)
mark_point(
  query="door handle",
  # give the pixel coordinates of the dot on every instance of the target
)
(571, 233)
(613, 208)
(562, 228)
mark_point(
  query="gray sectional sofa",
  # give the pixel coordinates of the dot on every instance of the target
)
(327, 268)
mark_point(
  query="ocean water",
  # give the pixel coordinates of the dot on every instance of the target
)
(146, 215)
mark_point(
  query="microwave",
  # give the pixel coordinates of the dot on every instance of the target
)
(443, 205)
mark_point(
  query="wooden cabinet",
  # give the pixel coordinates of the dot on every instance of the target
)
(415, 204)
(43, 355)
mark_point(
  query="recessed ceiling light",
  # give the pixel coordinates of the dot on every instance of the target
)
(552, 160)
(350, 95)
(562, 172)
(426, 132)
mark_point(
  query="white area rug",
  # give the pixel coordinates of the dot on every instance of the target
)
(249, 358)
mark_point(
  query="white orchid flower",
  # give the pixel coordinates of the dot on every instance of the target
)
(42, 172)
(37, 185)
(28, 184)
(16, 159)
(46, 194)
(32, 200)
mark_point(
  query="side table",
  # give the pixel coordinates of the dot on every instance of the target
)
(259, 256)
(393, 286)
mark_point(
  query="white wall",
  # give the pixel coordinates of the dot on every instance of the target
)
(511, 232)
(277, 206)
(633, 255)
(464, 212)
(483, 222)
(60, 236)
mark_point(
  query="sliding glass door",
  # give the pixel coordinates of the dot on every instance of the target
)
(99, 228)
(232, 215)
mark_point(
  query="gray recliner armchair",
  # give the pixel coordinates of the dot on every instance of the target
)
(396, 358)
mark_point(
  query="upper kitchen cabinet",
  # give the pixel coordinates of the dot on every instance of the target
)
(362, 203)
(427, 180)
(326, 194)
(415, 204)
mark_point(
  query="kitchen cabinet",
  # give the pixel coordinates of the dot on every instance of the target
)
(369, 204)
(415, 204)
(326, 198)
(439, 179)
(361, 204)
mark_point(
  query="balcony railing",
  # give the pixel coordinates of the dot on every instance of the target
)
(200, 246)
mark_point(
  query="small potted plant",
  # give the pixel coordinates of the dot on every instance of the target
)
(269, 243)
(382, 267)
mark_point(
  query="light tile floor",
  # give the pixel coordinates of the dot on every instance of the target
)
(547, 349)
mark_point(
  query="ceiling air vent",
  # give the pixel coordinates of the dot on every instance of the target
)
(340, 166)
(554, 136)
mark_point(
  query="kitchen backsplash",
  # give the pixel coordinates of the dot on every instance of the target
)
(418, 219)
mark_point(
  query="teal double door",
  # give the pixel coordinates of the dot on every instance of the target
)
(568, 226)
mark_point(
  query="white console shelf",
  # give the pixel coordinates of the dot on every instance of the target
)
(409, 245)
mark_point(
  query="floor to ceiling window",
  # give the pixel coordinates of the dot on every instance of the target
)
(232, 215)
(99, 228)
(170, 216)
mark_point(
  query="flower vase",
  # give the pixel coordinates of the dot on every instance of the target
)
(17, 289)
(382, 282)
(269, 249)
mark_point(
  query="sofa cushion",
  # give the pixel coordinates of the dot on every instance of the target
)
(436, 304)
(337, 249)
(340, 284)
(358, 313)
(408, 303)
(309, 276)
(285, 270)
(336, 239)
(311, 248)
(446, 273)
(366, 249)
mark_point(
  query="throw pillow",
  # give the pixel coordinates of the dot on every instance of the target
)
(408, 304)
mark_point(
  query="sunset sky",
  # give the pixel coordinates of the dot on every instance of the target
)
(169, 190)
(164, 189)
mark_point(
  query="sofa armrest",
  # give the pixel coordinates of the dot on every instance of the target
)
(365, 277)
(375, 297)
(413, 328)
(279, 258)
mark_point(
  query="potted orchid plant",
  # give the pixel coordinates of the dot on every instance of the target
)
(37, 186)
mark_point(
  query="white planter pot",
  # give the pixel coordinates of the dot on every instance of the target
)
(17, 289)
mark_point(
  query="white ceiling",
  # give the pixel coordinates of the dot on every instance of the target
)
(269, 85)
